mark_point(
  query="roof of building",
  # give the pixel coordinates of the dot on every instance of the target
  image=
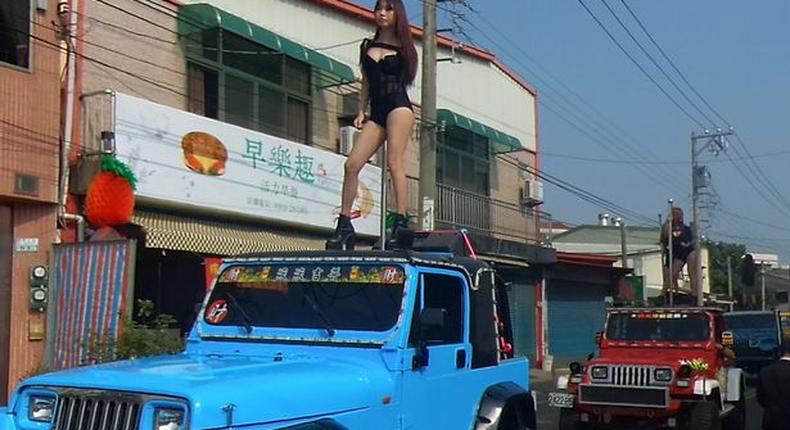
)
(585, 259)
(599, 239)
(360, 12)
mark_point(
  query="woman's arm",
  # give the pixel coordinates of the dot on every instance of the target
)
(364, 97)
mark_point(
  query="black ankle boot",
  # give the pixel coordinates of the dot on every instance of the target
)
(401, 236)
(344, 236)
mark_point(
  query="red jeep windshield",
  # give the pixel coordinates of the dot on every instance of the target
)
(658, 326)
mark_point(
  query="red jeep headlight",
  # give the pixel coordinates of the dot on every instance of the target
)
(599, 372)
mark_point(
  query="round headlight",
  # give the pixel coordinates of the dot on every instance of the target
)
(685, 371)
(575, 368)
(599, 372)
(169, 419)
(41, 408)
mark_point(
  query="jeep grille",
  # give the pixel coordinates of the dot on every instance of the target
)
(631, 375)
(652, 397)
(97, 410)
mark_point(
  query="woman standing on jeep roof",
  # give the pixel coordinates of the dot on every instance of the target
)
(389, 64)
(682, 250)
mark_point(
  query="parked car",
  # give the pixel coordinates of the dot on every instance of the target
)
(784, 321)
(758, 337)
(314, 340)
(657, 366)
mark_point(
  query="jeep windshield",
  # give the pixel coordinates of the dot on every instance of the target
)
(750, 321)
(322, 296)
(658, 326)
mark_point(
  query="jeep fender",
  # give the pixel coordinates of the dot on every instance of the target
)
(734, 379)
(497, 397)
(705, 386)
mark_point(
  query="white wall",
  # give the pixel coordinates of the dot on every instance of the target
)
(649, 265)
(475, 88)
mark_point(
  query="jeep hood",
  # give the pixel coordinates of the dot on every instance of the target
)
(263, 389)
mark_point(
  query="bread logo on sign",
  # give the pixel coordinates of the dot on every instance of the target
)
(204, 153)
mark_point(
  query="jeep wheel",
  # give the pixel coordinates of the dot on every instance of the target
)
(736, 419)
(569, 420)
(704, 416)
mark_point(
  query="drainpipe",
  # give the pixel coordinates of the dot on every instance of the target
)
(80, 224)
(67, 11)
(64, 8)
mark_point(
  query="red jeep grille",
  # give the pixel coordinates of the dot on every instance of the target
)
(631, 375)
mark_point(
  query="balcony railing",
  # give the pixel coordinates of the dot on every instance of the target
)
(457, 208)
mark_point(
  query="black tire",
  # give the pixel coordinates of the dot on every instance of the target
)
(736, 420)
(704, 415)
(518, 416)
(569, 420)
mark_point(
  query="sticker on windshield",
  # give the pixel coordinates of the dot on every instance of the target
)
(258, 276)
(217, 312)
(659, 315)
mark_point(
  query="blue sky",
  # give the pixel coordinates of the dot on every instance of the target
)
(736, 54)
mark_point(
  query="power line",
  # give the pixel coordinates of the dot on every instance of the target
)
(653, 60)
(596, 132)
(639, 66)
(671, 63)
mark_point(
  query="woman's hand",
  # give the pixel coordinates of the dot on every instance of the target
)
(359, 121)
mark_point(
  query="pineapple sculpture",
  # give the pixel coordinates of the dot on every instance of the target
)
(110, 198)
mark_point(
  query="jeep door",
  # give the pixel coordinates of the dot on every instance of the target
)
(437, 392)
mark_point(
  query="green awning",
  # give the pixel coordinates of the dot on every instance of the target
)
(500, 142)
(199, 17)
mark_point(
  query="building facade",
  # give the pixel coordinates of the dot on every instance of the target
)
(30, 147)
(275, 84)
(643, 253)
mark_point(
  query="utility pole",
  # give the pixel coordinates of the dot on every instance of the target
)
(714, 142)
(729, 277)
(670, 258)
(762, 281)
(623, 245)
(428, 113)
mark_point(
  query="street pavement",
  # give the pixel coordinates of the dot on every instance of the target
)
(548, 418)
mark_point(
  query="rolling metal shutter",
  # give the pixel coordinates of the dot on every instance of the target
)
(576, 312)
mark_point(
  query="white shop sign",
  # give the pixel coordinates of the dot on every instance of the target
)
(183, 158)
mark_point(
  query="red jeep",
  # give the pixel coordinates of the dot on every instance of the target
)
(660, 366)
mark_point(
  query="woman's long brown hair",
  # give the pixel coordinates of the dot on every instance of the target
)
(403, 33)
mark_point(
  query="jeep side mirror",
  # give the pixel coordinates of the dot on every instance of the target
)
(727, 339)
(598, 337)
(432, 320)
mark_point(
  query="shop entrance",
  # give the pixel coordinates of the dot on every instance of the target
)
(175, 281)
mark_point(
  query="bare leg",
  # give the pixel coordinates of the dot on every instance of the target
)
(369, 141)
(400, 123)
(677, 269)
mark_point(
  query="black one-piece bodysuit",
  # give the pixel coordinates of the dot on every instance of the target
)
(386, 82)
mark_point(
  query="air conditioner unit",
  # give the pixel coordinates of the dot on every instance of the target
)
(348, 137)
(532, 193)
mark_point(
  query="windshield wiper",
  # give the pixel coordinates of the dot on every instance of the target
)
(245, 319)
(321, 315)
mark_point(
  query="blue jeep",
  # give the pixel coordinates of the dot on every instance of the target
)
(758, 337)
(314, 340)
